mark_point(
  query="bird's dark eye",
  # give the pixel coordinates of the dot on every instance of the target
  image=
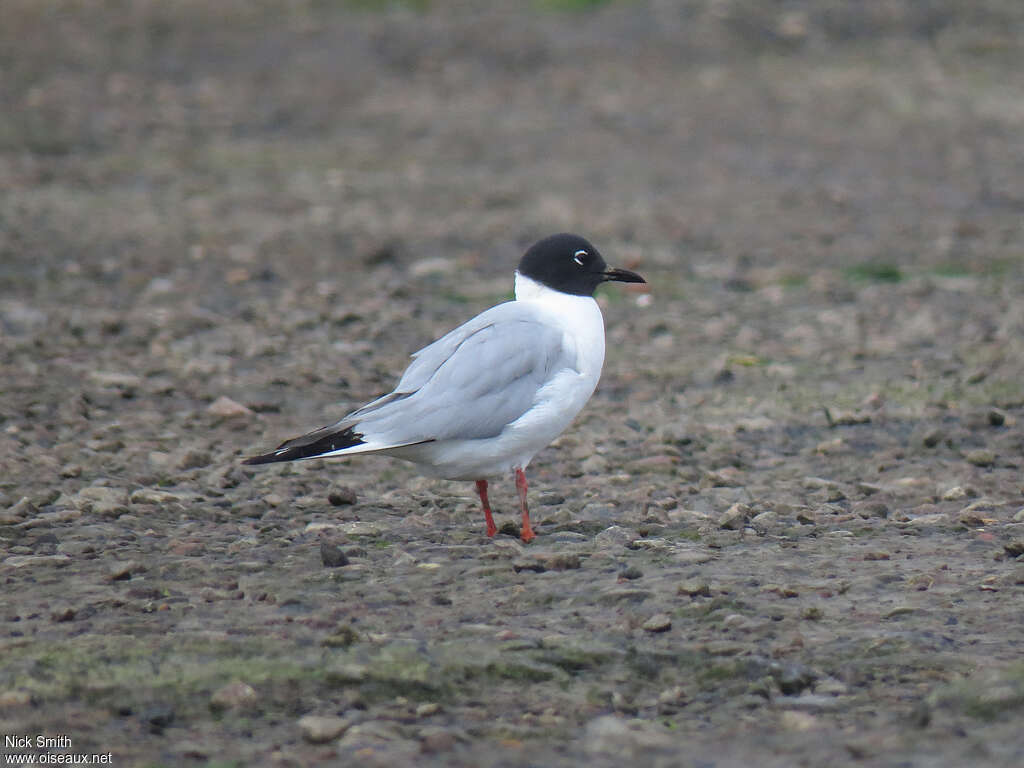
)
(579, 256)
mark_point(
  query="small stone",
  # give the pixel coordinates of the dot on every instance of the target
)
(996, 417)
(362, 528)
(616, 736)
(10, 699)
(977, 514)
(830, 446)
(671, 699)
(20, 510)
(694, 588)
(121, 570)
(937, 518)
(237, 695)
(342, 638)
(870, 509)
(981, 457)
(320, 729)
(595, 465)
(735, 517)
(933, 437)
(122, 381)
(794, 720)
(1014, 548)
(102, 501)
(427, 709)
(659, 622)
(958, 493)
(1019, 516)
(615, 536)
(438, 741)
(331, 555)
(834, 494)
(764, 521)
(159, 459)
(153, 496)
(868, 489)
(63, 613)
(341, 496)
(225, 407)
(71, 470)
(194, 458)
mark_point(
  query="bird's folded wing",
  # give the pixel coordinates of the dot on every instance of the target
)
(472, 382)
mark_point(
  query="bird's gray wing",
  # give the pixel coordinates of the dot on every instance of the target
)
(472, 382)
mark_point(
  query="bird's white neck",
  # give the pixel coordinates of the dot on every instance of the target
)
(578, 316)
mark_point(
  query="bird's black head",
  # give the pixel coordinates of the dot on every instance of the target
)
(570, 264)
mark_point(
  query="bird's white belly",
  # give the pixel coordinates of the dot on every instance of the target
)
(557, 405)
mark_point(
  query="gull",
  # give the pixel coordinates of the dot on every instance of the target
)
(485, 398)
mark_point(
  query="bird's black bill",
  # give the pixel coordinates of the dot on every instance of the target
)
(622, 276)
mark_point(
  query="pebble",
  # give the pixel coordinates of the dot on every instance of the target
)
(938, 518)
(870, 509)
(320, 729)
(237, 695)
(981, 457)
(975, 515)
(958, 493)
(735, 517)
(121, 570)
(9, 699)
(659, 622)
(63, 613)
(153, 496)
(20, 510)
(436, 741)
(694, 588)
(614, 735)
(331, 555)
(427, 709)
(123, 381)
(794, 720)
(341, 496)
(102, 501)
(361, 528)
(615, 536)
(194, 458)
(225, 407)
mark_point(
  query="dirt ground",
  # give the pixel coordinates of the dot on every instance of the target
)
(787, 530)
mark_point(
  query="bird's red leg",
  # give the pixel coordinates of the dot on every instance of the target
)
(527, 533)
(481, 488)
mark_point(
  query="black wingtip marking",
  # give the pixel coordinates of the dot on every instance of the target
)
(309, 446)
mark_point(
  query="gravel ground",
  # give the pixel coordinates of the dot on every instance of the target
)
(787, 530)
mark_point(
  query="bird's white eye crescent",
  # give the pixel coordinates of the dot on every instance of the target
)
(578, 257)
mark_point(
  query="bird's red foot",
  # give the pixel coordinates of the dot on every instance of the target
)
(481, 489)
(527, 534)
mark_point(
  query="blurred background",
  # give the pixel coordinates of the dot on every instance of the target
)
(240, 142)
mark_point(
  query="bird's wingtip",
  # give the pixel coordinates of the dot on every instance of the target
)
(265, 458)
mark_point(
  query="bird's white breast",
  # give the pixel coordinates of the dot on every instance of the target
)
(578, 317)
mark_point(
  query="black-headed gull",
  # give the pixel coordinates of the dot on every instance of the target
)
(485, 398)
